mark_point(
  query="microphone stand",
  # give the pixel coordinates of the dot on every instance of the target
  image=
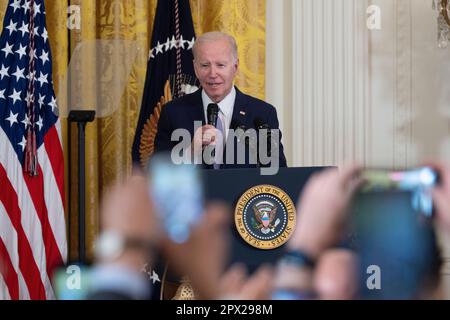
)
(250, 145)
(81, 117)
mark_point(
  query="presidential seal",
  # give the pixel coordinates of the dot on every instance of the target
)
(265, 217)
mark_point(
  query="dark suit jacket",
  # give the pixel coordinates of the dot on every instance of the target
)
(183, 112)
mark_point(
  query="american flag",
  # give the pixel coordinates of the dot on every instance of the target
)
(32, 224)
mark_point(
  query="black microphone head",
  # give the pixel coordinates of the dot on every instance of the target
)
(260, 124)
(212, 113)
(236, 124)
(240, 130)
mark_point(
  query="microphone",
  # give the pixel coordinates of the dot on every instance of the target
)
(248, 140)
(262, 125)
(236, 125)
(212, 112)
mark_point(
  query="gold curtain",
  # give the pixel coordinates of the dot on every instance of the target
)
(91, 81)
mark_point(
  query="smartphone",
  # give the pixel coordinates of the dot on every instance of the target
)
(177, 191)
(393, 235)
(419, 182)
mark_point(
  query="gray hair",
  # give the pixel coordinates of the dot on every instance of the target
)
(215, 36)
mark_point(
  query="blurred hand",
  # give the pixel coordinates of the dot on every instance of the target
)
(336, 275)
(202, 258)
(441, 194)
(322, 209)
(128, 210)
(235, 284)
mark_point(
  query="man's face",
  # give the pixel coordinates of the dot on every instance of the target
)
(215, 68)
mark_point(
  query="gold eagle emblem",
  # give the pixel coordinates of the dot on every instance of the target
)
(265, 212)
(147, 141)
(265, 217)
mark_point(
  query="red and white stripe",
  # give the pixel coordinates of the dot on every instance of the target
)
(32, 224)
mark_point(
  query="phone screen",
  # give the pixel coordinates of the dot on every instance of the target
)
(393, 236)
(418, 182)
(178, 194)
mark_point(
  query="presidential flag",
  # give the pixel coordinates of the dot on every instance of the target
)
(170, 74)
(32, 224)
(170, 71)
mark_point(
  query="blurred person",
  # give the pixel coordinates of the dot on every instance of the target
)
(236, 284)
(203, 255)
(441, 194)
(309, 271)
(203, 258)
(216, 64)
(441, 198)
(323, 209)
(334, 277)
(131, 235)
(321, 219)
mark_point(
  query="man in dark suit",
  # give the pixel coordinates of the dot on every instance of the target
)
(216, 64)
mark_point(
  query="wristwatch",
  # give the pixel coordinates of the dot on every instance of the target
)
(298, 258)
(110, 245)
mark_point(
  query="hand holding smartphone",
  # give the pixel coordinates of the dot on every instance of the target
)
(178, 194)
(392, 233)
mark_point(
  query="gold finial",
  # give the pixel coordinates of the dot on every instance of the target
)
(185, 291)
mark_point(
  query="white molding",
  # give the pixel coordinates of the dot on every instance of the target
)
(403, 84)
(346, 93)
(330, 77)
(278, 66)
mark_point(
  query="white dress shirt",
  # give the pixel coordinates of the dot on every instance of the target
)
(225, 106)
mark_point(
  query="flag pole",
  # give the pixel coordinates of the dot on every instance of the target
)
(81, 117)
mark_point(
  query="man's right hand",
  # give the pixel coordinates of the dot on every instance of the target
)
(203, 137)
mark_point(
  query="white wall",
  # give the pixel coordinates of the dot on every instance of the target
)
(346, 93)
(278, 66)
(409, 74)
(317, 57)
